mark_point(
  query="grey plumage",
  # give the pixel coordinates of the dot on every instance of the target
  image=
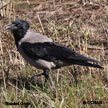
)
(34, 37)
(41, 52)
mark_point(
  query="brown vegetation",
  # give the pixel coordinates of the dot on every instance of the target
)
(79, 24)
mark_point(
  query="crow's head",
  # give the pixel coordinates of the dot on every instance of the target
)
(18, 28)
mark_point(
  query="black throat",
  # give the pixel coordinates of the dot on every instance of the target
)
(18, 35)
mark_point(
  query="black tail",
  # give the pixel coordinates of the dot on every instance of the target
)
(89, 64)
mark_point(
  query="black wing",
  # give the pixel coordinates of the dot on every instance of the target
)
(51, 51)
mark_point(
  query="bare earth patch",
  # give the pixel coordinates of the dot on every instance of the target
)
(78, 24)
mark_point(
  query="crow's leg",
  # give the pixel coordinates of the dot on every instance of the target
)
(75, 78)
(45, 73)
(36, 76)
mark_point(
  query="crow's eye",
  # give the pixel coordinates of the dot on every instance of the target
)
(17, 25)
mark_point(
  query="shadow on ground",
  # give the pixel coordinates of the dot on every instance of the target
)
(23, 82)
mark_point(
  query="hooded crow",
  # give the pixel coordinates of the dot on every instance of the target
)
(41, 52)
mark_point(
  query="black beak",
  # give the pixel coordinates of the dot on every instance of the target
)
(11, 27)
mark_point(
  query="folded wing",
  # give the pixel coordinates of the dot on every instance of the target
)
(51, 51)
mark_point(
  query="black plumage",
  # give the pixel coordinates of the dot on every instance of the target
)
(44, 54)
(51, 51)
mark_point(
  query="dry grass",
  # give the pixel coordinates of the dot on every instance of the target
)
(81, 25)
